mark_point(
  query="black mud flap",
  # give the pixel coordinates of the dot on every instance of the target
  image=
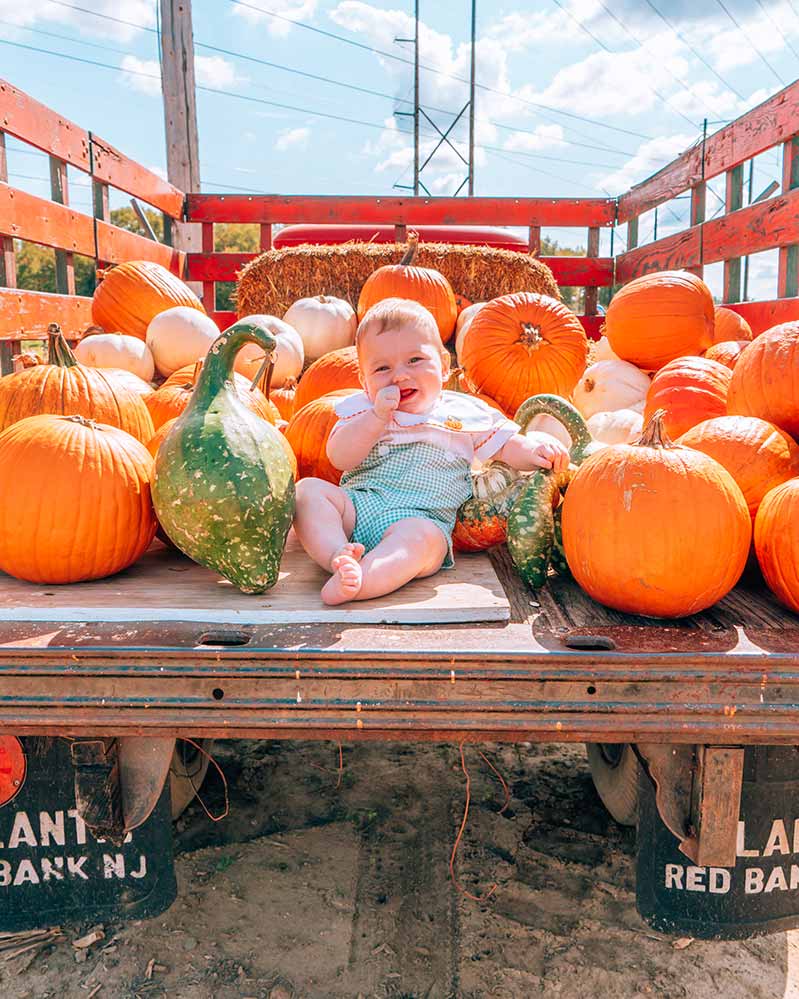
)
(52, 870)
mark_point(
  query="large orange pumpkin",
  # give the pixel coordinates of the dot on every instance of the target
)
(336, 370)
(777, 542)
(171, 399)
(690, 389)
(728, 325)
(424, 285)
(65, 387)
(521, 345)
(129, 296)
(727, 352)
(84, 488)
(658, 317)
(307, 433)
(765, 381)
(284, 398)
(654, 528)
(757, 455)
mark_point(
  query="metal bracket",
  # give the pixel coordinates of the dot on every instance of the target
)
(698, 796)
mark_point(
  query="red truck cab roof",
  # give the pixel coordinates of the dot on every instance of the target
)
(474, 235)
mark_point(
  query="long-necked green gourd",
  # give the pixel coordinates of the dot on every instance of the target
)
(223, 488)
(532, 541)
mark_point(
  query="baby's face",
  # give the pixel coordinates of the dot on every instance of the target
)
(409, 357)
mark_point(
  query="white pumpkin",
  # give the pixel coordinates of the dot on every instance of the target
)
(623, 426)
(179, 336)
(547, 424)
(463, 323)
(603, 351)
(610, 385)
(289, 352)
(324, 323)
(116, 350)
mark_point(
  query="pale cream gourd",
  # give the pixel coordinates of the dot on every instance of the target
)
(324, 323)
(610, 385)
(116, 350)
(289, 352)
(463, 323)
(623, 426)
(603, 351)
(179, 336)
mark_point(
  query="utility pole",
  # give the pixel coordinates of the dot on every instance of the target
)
(471, 102)
(180, 112)
(416, 99)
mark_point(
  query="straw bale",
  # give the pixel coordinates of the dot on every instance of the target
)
(270, 283)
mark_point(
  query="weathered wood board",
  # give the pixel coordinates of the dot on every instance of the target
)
(166, 586)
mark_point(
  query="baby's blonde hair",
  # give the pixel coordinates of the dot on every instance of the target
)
(393, 313)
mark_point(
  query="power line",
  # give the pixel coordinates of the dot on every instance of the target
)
(599, 42)
(765, 10)
(64, 38)
(751, 43)
(438, 72)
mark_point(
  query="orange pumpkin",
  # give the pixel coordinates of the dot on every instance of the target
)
(727, 352)
(421, 284)
(521, 345)
(307, 433)
(284, 399)
(777, 542)
(728, 325)
(65, 387)
(83, 519)
(155, 441)
(129, 296)
(335, 370)
(171, 399)
(654, 528)
(757, 455)
(461, 303)
(765, 381)
(658, 317)
(462, 384)
(690, 389)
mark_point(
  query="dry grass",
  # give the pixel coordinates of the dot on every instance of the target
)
(270, 283)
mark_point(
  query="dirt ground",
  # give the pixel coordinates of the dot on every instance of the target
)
(309, 890)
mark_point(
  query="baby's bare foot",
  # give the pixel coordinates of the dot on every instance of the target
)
(345, 583)
(352, 548)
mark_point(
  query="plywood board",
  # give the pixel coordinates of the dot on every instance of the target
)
(165, 586)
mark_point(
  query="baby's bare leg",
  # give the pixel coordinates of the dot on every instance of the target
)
(323, 522)
(409, 549)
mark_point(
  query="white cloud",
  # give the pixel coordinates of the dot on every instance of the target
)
(446, 184)
(654, 151)
(290, 137)
(287, 10)
(542, 137)
(142, 75)
(139, 13)
(214, 71)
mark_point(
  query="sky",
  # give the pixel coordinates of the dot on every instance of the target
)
(575, 97)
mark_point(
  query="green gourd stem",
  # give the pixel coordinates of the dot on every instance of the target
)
(59, 352)
(410, 253)
(565, 413)
(218, 365)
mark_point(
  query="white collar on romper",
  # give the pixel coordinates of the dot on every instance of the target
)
(453, 411)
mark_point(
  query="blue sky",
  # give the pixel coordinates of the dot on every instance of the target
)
(645, 73)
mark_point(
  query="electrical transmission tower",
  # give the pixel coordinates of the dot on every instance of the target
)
(444, 137)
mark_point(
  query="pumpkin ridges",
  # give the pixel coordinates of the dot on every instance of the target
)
(330, 373)
(765, 382)
(690, 389)
(136, 291)
(777, 542)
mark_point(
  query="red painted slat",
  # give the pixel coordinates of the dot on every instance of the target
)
(763, 315)
(117, 170)
(115, 246)
(769, 124)
(402, 211)
(24, 216)
(25, 315)
(757, 227)
(224, 319)
(680, 250)
(216, 266)
(34, 123)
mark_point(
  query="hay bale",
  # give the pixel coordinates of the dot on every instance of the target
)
(271, 282)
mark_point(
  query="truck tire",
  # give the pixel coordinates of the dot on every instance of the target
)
(614, 770)
(187, 772)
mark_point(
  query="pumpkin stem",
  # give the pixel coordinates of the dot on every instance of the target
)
(58, 350)
(531, 335)
(82, 421)
(654, 434)
(410, 253)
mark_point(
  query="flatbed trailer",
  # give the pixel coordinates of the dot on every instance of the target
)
(689, 694)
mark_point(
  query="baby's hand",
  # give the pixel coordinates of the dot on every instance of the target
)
(547, 452)
(386, 402)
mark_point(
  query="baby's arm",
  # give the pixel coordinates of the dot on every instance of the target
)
(350, 441)
(534, 450)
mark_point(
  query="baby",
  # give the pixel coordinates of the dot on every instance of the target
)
(405, 447)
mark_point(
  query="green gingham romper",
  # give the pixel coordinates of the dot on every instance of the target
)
(423, 477)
